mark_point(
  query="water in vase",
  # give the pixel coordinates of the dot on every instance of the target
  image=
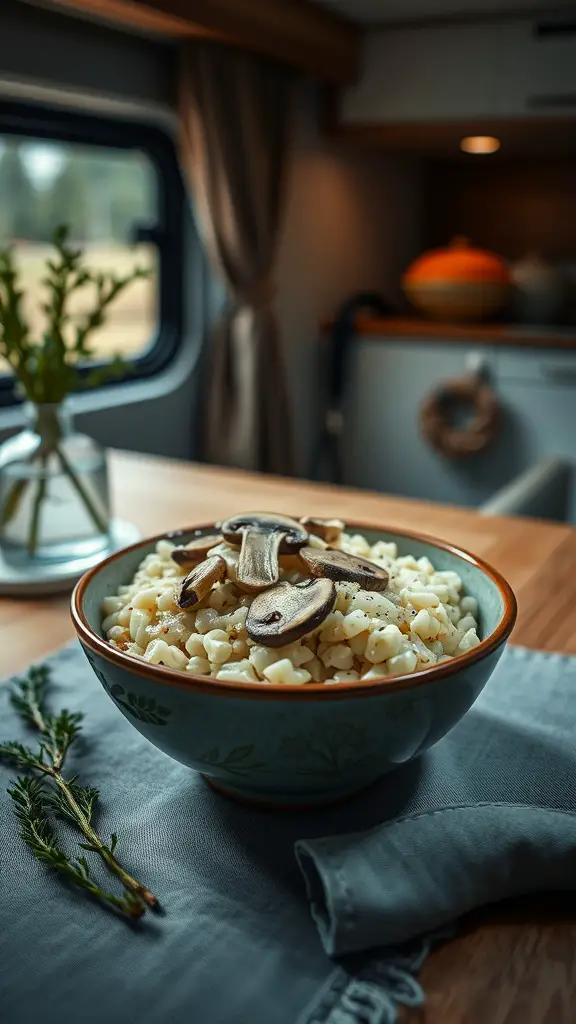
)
(53, 499)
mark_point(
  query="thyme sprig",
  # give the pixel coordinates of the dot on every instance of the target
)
(50, 367)
(49, 792)
(30, 806)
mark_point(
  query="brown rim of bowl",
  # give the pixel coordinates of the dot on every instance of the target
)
(276, 691)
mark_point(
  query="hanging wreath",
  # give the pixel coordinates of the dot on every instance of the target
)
(437, 417)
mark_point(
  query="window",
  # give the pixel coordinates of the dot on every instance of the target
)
(118, 186)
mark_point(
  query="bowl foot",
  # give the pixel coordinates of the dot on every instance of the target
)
(286, 801)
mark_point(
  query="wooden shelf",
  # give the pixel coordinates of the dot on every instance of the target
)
(388, 328)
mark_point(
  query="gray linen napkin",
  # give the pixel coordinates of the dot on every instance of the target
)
(491, 815)
(485, 814)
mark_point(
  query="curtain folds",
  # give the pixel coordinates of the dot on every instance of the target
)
(234, 119)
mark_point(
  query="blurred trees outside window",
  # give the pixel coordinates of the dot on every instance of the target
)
(104, 194)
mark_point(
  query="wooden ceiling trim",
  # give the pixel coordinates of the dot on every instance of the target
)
(319, 43)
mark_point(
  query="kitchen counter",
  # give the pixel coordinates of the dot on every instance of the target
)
(510, 964)
(509, 335)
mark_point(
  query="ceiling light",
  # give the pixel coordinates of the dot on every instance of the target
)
(480, 144)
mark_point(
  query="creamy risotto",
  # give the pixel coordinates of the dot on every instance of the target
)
(266, 606)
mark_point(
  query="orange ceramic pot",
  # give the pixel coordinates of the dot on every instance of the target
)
(458, 283)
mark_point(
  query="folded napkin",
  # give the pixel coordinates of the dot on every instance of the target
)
(488, 813)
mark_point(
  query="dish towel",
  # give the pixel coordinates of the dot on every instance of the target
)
(487, 813)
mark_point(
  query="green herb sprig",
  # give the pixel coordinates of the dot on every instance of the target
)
(48, 792)
(48, 368)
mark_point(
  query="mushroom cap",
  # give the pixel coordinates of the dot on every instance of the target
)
(288, 611)
(295, 535)
(328, 530)
(195, 551)
(264, 536)
(333, 564)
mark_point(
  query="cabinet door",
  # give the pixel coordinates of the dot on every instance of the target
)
(463, 72)
(535, 72)
(546, 416)
(545, 422)
(549, 367)
(383, 447)
(425, 74)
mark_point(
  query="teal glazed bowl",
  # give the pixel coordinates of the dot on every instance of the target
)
(296, 746)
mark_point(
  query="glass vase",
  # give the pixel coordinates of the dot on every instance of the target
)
(54, 505)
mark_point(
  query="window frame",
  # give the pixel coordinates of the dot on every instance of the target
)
(49, 123)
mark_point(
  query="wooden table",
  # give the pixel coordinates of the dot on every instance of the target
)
(515, 964)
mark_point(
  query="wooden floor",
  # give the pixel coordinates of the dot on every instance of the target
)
(512, 965)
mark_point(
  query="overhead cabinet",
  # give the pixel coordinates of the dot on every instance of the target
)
(445, 72)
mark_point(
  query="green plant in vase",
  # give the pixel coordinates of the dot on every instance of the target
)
(53, 484)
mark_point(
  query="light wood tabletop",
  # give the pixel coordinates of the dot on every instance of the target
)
(512, 965)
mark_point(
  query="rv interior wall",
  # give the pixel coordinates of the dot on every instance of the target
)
(350, 223)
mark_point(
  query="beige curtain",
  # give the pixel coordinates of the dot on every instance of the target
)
(234, 112)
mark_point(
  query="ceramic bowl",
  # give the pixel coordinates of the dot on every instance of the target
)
(296, 745)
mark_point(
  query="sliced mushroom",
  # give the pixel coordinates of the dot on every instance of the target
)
(337, 565)
(195, 551)
(200, 581)
(264, 536)
(287, 612)
(329, 530)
